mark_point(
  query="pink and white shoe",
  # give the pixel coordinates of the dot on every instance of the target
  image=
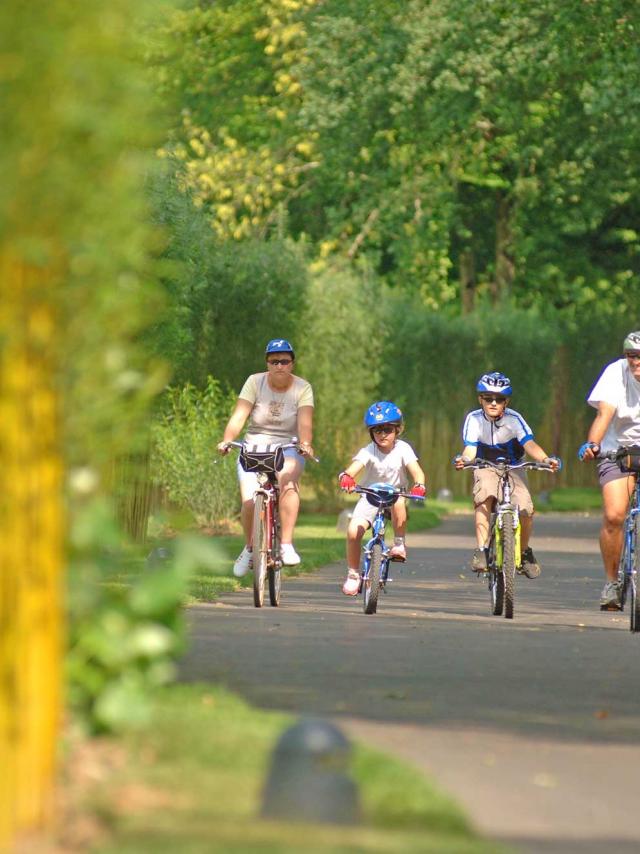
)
(352, 583)
(398, 552)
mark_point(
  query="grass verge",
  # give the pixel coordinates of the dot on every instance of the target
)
(192, 782)
(318, 540)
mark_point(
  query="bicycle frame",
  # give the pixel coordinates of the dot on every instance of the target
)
(501, 570)
(376, 549)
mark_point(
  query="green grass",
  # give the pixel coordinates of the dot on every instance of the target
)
(192, 782)
(317, 540)
(575, 499)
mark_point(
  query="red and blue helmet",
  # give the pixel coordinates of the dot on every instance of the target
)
(383, 412)
(279, 345)
(496, 383)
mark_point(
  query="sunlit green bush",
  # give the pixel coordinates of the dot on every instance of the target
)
(184, 458)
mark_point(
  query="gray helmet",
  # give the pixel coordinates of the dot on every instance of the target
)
(632, 341)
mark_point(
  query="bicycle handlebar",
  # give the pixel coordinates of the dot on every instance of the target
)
(364, 490)
(504, 466)
(284, 447)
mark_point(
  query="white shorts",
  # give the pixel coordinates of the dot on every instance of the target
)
(248, 480)
(365, 512)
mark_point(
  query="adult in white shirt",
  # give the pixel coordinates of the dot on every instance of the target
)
(279, 407)
(616, 396)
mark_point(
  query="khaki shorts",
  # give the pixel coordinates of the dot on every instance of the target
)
(486, 484)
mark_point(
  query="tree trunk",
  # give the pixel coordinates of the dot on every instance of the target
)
(505, 266)
(467, 280)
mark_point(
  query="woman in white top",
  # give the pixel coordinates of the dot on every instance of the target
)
(616, 396)
(279, 406)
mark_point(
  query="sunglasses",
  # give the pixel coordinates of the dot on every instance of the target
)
(633, 357)
(383, 429)
(493, 398)
(279, 362)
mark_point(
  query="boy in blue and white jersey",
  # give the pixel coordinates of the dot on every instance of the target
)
(488, 433)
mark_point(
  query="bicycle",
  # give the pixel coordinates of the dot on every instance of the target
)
(504, 552)
(265, 462)
(629, 565)
(374, 570)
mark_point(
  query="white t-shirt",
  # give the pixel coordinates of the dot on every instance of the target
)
(618, 387)
(274, 417)
(385, 468)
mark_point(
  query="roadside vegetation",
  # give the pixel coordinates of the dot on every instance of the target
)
(193, 780)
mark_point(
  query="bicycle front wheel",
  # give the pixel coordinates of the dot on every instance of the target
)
(496, 581)
(371, 584)
(508, 563)
(259, 549)
(634, 599)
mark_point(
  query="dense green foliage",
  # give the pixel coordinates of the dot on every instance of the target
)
(184, 459)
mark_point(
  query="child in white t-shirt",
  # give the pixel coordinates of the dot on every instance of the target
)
(386, 459)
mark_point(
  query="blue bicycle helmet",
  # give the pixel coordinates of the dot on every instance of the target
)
(383, 412)
(632, 341)
(279, 345)
(496, 383)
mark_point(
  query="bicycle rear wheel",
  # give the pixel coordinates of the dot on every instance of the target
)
(508, 563)
(634, 599)
(371, 584)
(259, 549)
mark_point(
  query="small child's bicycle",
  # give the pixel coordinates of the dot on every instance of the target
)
(374, 568)
(504, 553)
(629, 565)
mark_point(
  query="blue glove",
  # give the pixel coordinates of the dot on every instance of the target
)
(559, 461)
(583, 449)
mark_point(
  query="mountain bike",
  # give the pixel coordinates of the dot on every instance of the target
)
(265, 461)
(504, 552)
(629, 565)
(374, 568)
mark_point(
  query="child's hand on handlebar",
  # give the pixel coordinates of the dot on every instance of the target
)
(459, 461)
(347, 483)
(418, 489)
(554, 462)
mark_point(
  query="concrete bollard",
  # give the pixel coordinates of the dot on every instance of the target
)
(158, 557)
(308, 780)
(444, 494)
(343, 520)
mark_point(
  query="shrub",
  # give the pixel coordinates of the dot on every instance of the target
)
(184, 457)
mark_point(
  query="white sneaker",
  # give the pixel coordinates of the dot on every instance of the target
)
(351, 585)
(244, 562)
(289, 555)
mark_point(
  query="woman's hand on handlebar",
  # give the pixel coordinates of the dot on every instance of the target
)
(223, 447)
(306, 450)
(459, 461)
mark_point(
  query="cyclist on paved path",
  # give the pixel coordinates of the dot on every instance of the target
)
(386, 459)
(488, 433)
(279, 406)
(616, 396)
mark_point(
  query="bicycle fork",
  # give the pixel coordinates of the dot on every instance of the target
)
(517, 529)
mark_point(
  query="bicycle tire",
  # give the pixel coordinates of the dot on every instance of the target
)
(274, 572)
(623, 575)
(634, 618)
(508, 563)
(496, 579)
(259, 539)
(371, 584)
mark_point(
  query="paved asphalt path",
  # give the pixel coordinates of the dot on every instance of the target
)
(533, 724)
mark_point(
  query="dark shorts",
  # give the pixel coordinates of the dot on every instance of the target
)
(609, 470)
